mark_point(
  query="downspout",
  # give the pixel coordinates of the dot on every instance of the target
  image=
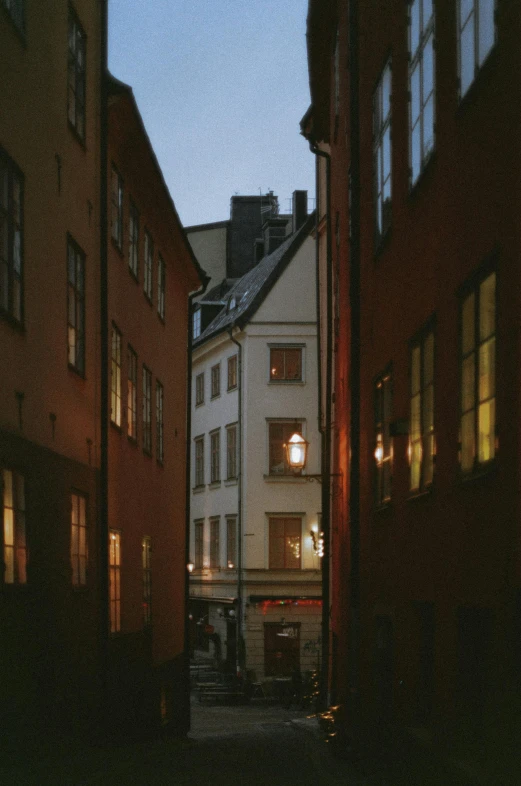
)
(326, 430)
(103, 543)
(239, 660)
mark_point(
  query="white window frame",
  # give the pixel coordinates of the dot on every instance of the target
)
(418, 63)
(382, 137)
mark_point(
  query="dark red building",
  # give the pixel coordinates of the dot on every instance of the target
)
(414, 110)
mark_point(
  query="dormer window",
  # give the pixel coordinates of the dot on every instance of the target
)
(196, 323)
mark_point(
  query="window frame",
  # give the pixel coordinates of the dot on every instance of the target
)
(215, 380)
(148, 265)
(381, 126)
(116, 359)
(133, 239)
(76, 306)
(425, 436)
(383, 408)
(475, 22)
(285, 347)
(76, 75)
(199, 475)
(215, 456)
(293, 424)
(286, 558)
(161, 287)
(196, 323)
(232, 372)
(199, 389)
(19, 547)
(160, 443)
(215, 542)
(80, 555)
(146, 381)
(231, 452)
(132, 367)
(416, 60)
(231, 542)
(12, 215)
(114, 546)
(116, 207)
(199, 544)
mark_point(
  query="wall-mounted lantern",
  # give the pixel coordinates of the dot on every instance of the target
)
(190, 566)
(296, 452)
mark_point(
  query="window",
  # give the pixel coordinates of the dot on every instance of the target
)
(231, 542)
(279, 434)
(199, 461)
(115, 377)
(383, 442)
(149, 257)
(421, 432)
(199, 544)
(421, 84)
(13, 515)
(382, 152)
(132, 394)
(146, 552)
(476, 36)
(232, 372)
(199, 389)
(478, 375)
(161, 283)
(11, 238)
(216, 380)
(116, 220)
(147, 410)
(285, 364)
(76, 75)
(285, 540)
(215, 451)
(133, 239)
(75, 306)
(79, 539)
(115, 580)
(160, 447)
(196, 323)
(215, 526)
(16, 10)
(231, 452)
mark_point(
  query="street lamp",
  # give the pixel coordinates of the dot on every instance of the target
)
(296, 449)
(190, 566)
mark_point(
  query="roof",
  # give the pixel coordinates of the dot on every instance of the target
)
(251, 290)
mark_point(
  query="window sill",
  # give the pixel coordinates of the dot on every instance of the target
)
(133, 276)
(116, 427)
(147, 453)
(160, 463)
(479, 473)
(286, 382)
(231, 481)
(132, 440)
(381, 508)
(76, 370)
(198, 489)
(148, 298)
(12, 321)
(420, 494)
(74, 132)
(217, 395)
(117, 248)
(215, 484)
(289, 478)
(233, 387)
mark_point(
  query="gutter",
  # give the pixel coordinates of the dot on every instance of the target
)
(239, 660)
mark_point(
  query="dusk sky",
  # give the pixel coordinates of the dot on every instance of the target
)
(221, 86)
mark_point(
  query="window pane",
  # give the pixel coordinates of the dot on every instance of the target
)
(415, 370)
(465, 8)
(415, 94)
(277, 364)
(486, 28)
(415, 417)
(427, 12)
(467, 383)
(293, 370)
(487, 307)
(416, 454)
(428, 67)
(487, 370)
(468, 448)
(428, 459)
(468, 340)
(387, 153)
(428, 359)
(386, 92)
(415, 26)
(428, 409)
(486, 426)
(428, 128)
(467, 56)
(415, 153)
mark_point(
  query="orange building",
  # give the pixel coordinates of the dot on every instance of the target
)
(70, 472)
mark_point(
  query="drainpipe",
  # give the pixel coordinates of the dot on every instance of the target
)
(104, 375)
(239, 660)
(326, 429)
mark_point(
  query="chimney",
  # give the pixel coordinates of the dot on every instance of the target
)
(300, 208)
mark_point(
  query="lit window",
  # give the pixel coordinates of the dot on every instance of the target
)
(115, 580)
(231, 542)
(13, 509)
(148, 265)
(199, 389)
(231, 452)
(383, 442)
(161, 283)
(421, 436)
(279, 434)
(215, 451)
(75, 306)
(76, 75)
(199, 544)
(116, 222)
(421, 85)
(147, 410)
(478, 374)
(196, 323)
(476, 37)
(79, 539)
(285, 364)
(160, 447)
(16, 10)
(285, 542)
(215, 531)
(115, 377)
(382, 152)
(232, 372)
(133, 239)
(146, 552)
(216, 380)
(11, 238)
(199, 461)
(132, 394)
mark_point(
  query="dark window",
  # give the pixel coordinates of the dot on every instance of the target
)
(383, 442)
(279, 434)
(160, 447)
(115, 377)
(215, 451)
(231, 452)
(13, 517)
(231, 542)
(382, 152)
(215, 528)
(216, 380)
(421, 85)
(133, 239)
(232, 372)
(161, 284)
(79, 550)
(146, 552)
(286, 364)
(476, 37)
(11, 238)
(199, 461)
(199, 544)
(421, 433)
(148, 264)
(76, 306)
(478, 374)
(76, 75)
(285, 542)
(132, 394)
(199, 389)
(147, 410)
(116, 220)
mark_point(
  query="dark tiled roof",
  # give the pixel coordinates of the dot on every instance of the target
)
(251, 290)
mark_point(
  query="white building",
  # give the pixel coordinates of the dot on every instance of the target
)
(256, 571)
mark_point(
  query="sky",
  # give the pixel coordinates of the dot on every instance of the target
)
(221, 86)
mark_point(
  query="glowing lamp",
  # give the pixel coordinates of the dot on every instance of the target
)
(296, 452)
(190, 566)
